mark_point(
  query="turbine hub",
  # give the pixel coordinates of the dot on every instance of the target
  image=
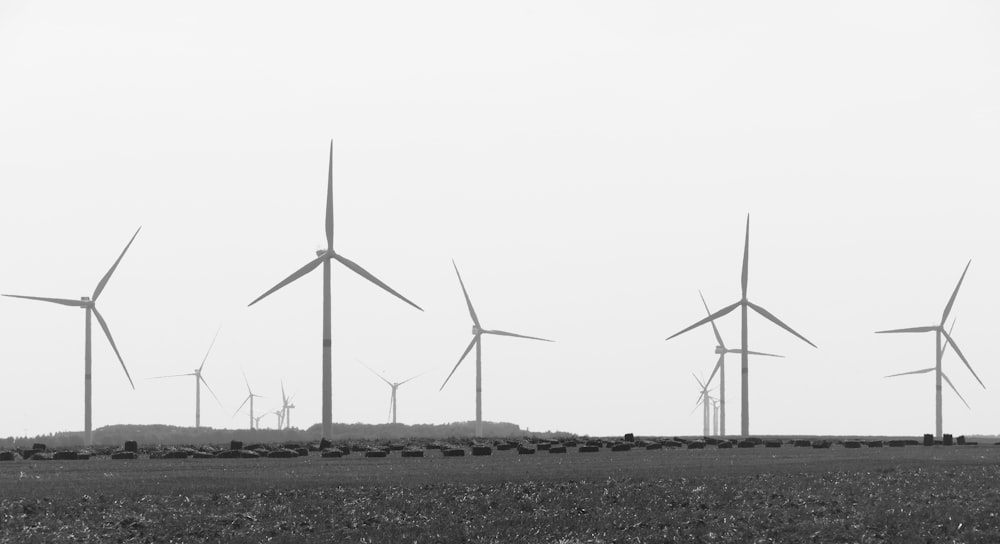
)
(719, 350)
(476, 329)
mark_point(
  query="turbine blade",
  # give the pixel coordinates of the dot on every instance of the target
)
(962, 357)
(209, 350)
(284, 399)
(911, 329)
(309, 267)
(367, 275)
(945, 376)
(763, 354)
(718, 337)
(107, 332)
(210, 391)
(504, 333)
(381, 377)
(246, 381)
(329, 203)
(712, 317)
(460, 359)
(924, 371)
(777, 321)
(951, 301)
(468, 301)
(241, 406)
(107, 276)
(746, 260)
(701, 385)
(944, 346)
(172, 376)
(63, 301)
(718, 367)
(410, 378)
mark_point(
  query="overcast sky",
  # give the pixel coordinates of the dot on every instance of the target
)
(589, 166)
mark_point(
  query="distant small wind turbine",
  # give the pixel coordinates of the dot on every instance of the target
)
(394, 386)
(90, 305)
(720, 367)
(939, 332)
(250, 396)
(744, 304)
(198, 380)
(286, 407)
(477, 332)
(324, 257)
(703, 401)
(281, 417)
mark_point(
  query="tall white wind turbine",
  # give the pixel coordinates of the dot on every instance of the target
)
(90, 305)
(324, 257)
(939, 332)
(394, 386)
(721, 350)
(286, 408)
(744, 304)
(198, 380)
(477, 333)
(249, 398)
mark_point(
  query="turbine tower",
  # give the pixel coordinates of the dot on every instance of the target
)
(198, 380)
(394, 386)
(715, 416)
(90, 305)
(324, 257)
(250, 396)
(939, 332)
(744, 304)
(720, 367)
(477, 333)
(703, 401)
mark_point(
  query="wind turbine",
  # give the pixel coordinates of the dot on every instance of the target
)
(720, 367)
(90, 305)
(250, 396)
(324, 256)
(939, 331)
(198, 380)
(703, 401)
(394, 386)
(286, 408)
(281, 418)
(477, 333)
(744, 304)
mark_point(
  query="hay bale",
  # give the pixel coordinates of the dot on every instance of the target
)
(874, 443)
(569, 443)
(928, 440)
(453, 452)
(302, 452)
(557, 449)
(6, 456)
(131, 445)
(746, 444)
(596, 443)
(249, 454)
(202, 455)
(852, 444)
(124, 455)
(960, 440)
(725, 445)
(629, 437)
(324, 444)
(335, 453)
(282, 453)
(897, 443)
(235, 445)
(413, 453)
(525, 449)
(621, 447)
(802, 443)
(376, 453)
(64, 456)
(654, 446)
(482, 450)
(589, 449)
(672, 444)
(772, 443)
(542, 446)
(948, 439)
(40, 456)
(176, 454)
(504, 446)
(38, 446)
(696, 445)
(228, 454)
(821, 444)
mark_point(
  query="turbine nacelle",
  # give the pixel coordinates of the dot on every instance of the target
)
(476, 331)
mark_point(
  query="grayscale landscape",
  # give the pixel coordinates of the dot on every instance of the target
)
(741, 259)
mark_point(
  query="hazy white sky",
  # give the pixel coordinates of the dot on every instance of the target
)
(588, 165)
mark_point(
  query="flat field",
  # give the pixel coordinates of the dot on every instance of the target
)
(912, 494)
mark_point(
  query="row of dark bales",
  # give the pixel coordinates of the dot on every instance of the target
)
(237, 450)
